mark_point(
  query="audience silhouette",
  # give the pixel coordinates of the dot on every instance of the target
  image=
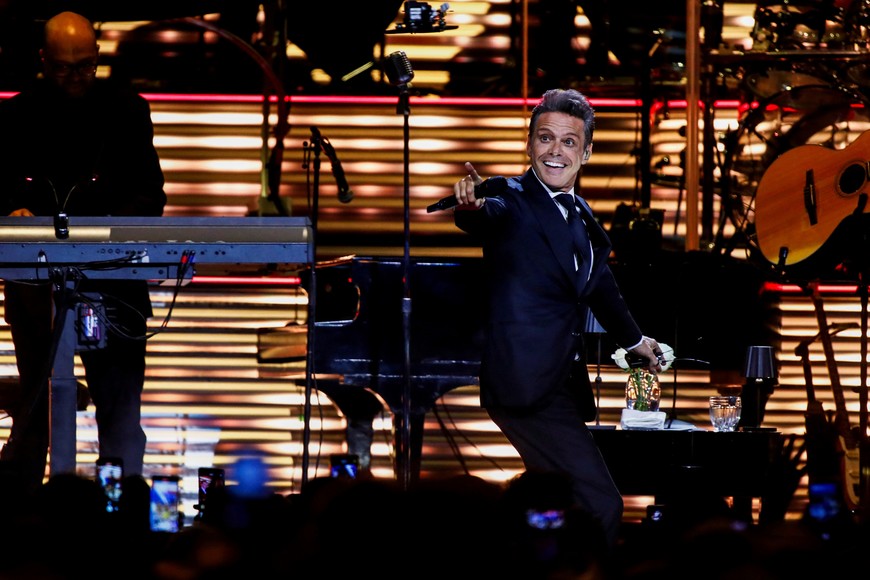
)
(455, 526)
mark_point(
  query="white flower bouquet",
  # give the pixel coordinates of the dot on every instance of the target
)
(642, 391)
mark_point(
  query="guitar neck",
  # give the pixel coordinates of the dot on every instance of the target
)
(841, 417)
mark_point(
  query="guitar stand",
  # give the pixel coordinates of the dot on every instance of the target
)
(853, 240)
(863, 442)
(823, 464)
(845, 447)
(857, 240)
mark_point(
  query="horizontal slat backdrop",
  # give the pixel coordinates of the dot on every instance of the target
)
(212, 154)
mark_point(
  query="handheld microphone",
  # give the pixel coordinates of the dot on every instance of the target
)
(450, 201)
(344, 192)
(636, 361)
(398, 68)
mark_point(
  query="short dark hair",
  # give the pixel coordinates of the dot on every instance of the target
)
(567, 101)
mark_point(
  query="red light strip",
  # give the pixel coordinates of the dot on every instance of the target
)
(446, 101)
(779, 288)
(360, 100)
(248, 281)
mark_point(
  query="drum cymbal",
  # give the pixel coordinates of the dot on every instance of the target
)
(859, 74)
(772, 82)
(811, 97)
(796, 90)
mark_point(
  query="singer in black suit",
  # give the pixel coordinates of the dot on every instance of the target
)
(70, 144)
(533, 381)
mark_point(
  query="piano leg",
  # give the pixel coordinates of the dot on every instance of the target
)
(408, 470)
(360, 408)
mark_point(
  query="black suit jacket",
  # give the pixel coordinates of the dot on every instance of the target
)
(537, 308)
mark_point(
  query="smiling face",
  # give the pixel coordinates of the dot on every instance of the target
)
(557, 149)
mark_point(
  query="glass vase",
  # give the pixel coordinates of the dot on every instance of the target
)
(642, 390)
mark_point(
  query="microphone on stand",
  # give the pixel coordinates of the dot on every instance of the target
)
(344, 192)
(398, 68)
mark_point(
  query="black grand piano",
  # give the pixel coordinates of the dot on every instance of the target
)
(359, 338)
(359, 332)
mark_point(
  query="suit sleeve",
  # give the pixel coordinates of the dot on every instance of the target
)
(611, 310)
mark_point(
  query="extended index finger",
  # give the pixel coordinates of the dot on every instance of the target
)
(473, 173)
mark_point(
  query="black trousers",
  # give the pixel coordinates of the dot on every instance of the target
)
(555, 438)
(115, 377)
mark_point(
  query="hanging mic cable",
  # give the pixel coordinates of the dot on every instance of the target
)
(344, 192)
(61, 218)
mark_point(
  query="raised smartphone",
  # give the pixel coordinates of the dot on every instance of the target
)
(165, 494)
(344, 465)
(109, 474)
(825, 502)
(210, 478)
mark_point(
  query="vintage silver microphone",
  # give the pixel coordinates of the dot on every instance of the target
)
(398, 69)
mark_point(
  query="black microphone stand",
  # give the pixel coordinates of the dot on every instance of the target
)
(404, 455)
(593, 327)
(315, 147)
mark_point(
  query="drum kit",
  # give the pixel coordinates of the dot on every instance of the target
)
(814, 42)
(807, 80)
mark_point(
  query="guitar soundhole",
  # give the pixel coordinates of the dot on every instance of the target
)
(852, 179)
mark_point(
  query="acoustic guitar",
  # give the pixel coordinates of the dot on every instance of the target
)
(805, 194)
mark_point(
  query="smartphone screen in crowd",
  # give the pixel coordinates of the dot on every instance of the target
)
(344, 465)
(110, 474)
(165, 503)
(210, 478)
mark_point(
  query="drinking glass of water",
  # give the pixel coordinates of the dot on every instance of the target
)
(724, 412)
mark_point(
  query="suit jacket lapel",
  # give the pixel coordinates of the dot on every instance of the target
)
(601, 246)
(552, 223)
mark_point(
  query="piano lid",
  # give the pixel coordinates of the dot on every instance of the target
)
(359, 327)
